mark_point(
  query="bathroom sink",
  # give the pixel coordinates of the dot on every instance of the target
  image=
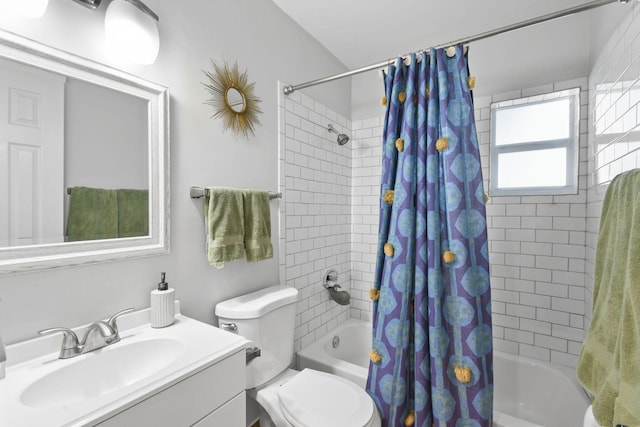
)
(86, 390)
(100, 372)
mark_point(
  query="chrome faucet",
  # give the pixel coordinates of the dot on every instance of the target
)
(98, 335)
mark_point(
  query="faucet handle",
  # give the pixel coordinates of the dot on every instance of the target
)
(112, 320)
(69, 339)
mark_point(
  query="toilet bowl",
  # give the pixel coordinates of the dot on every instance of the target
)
(290, 398)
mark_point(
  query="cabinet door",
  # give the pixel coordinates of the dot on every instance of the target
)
(231, 414)
(190, 400)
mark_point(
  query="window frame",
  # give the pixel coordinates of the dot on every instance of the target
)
(571, 144)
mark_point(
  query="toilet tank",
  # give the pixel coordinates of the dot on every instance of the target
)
(266, 317)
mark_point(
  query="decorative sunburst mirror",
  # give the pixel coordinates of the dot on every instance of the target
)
(233, 98)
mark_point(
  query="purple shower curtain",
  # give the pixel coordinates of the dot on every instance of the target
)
(431, 361)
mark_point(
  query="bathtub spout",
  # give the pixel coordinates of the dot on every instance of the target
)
(341, 297)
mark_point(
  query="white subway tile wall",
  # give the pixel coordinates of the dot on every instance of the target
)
(614, 119)
(542, 248)
(367, 151)
(315, 212)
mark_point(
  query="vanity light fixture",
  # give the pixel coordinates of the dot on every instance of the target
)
(131, 29)
(28, 8)
(91, 4)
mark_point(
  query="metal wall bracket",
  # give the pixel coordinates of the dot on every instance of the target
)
(252, 353)
(330, 278)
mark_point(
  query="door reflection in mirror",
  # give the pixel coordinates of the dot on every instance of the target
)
(60, 132)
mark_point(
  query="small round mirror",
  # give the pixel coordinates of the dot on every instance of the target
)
(235, 100)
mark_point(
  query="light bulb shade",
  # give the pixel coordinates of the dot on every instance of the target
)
(131, 33)
(28, 8)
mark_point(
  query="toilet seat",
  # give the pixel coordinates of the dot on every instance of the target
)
(313, 398)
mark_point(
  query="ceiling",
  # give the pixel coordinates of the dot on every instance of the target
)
(364, 32)
(360, 33)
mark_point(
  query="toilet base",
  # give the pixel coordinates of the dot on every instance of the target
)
(270, 412)
(265, 419)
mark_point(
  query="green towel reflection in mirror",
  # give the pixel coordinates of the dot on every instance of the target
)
(133, 213)
(97, 213)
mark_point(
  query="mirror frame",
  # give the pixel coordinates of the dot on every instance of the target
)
(221, 80)
(18, 259)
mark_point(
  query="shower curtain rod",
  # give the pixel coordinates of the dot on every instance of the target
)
(289, 89)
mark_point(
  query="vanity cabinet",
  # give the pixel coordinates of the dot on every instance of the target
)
(211, 397)
(189, 374)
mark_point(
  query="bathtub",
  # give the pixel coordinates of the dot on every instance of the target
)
(527, 393)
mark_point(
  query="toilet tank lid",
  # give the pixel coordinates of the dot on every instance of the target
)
(256, 303)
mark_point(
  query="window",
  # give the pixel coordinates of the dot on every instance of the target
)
(534, 145)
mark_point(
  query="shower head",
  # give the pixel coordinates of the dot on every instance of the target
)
(342, 138)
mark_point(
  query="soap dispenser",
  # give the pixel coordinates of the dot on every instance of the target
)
(162, 304)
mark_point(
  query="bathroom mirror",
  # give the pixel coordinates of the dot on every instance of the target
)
(68, 123)
(235, 100)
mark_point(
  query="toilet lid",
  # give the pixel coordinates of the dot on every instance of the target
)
(313, 398)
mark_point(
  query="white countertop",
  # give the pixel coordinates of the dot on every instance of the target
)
(202, 346)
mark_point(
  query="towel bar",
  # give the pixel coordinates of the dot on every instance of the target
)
(197, 192)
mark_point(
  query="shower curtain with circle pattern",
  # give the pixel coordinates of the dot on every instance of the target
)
(431, 361)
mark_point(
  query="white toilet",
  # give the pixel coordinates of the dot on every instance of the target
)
(589, 419)
(307, 398)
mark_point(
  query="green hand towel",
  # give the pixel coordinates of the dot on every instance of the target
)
(224, 222)
(133, 213)
(257, 225)
(609, 363)
(93, 214)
